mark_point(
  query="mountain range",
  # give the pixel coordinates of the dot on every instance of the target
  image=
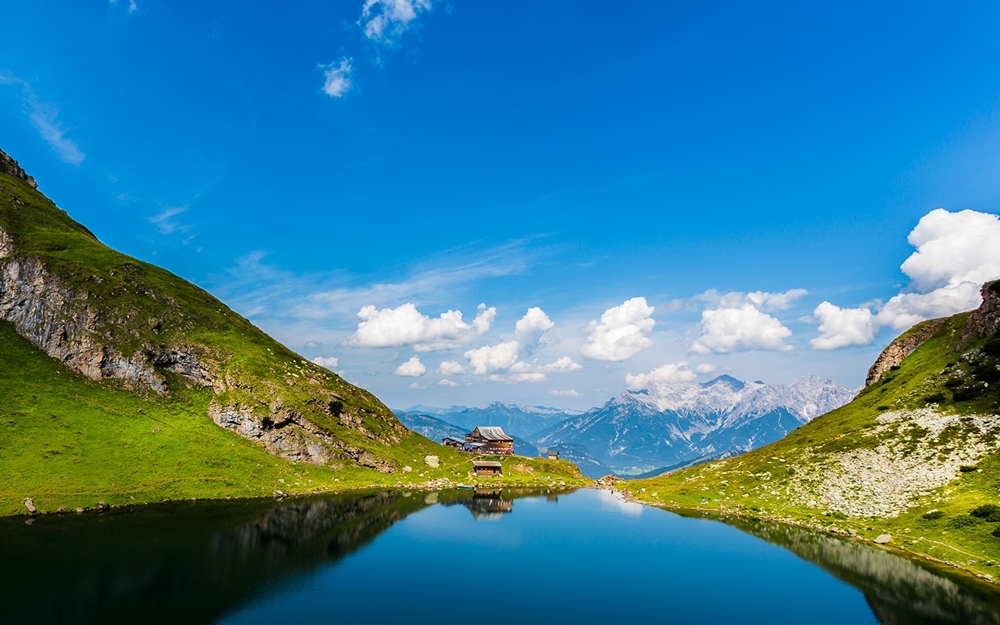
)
(665, 425)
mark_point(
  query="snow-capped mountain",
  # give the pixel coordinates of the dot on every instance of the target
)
(668, 424)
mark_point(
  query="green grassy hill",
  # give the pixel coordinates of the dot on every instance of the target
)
(121, 382)
(915, 455)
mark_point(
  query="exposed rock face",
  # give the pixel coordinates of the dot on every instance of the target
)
(895, 352)
(63, 325)
(10, 166)
(286, 434)
(985, 320)
(6, 244)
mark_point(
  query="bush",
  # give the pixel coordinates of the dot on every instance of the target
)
(881, 408)
(968, 393)
(966, 468)
(962, 521)
(990, 512)
(996, 532)
(936, 398)
(933, 515)
(954, 383)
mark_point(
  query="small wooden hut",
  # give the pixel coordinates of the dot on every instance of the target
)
(451, 441)
(487, 468)
(553, 454)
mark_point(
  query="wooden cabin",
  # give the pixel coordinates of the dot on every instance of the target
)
(451, 441)
(553, 454)
(491, 440)
(486, 468)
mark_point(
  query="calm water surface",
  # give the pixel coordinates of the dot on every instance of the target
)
(457, 557)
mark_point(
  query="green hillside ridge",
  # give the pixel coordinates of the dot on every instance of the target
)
(121, 382)
(914, 455)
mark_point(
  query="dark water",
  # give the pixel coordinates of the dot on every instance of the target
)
(456, 557)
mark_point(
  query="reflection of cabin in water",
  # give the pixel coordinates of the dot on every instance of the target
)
(490, 440)
(485, 468)
(488, 504)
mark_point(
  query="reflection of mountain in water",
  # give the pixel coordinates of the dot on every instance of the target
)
(899, 591)
(179, 564)
(488, 505)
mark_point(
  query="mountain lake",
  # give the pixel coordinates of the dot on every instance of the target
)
(463, 556)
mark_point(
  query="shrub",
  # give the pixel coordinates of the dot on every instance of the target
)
(989, 511)
(968, 393)
(933, 515)
(881, 408)
(954, 383)
(962, 521)
(996, 532)
(966, 468)
(936, 398)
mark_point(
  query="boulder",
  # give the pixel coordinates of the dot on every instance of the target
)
(432, 461)
(883, 539)
(30, 505)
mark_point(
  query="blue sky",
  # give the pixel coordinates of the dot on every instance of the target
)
(679, 190)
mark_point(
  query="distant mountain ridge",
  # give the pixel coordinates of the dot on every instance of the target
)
(639, 431)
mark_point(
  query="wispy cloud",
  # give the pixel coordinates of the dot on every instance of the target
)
(44, 117)
(337, 78)
(165, 223)
(131, 5)
(384, 21)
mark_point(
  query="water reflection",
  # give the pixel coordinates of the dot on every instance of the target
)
(899, 591)
(489, 505)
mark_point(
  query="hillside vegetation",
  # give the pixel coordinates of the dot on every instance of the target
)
(914, 456)
(121, 382)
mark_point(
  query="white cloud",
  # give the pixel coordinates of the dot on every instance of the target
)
(563, 364)
(842, 327)
(621, 332)
(405, 325)
(450, 367)
(414, 385)
(530, 329)
(567, 393)
(534, 376)
(737, 324)
(385, 20)
(329, 362)
(665, 374)
(165, 223)
(44, 117)
(491, 358)
(447, 383)
(131, 5)
(956, 253)
(705, 368)
(313, 344)
(337, 78)
(412, 368)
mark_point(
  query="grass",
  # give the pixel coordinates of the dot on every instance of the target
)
(771, 481)
(68, 441)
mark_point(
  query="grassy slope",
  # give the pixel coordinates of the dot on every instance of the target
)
(764, 481)
(69, 441)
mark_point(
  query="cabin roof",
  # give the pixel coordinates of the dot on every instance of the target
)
(453, 438)
(492, 433)
(486, 463)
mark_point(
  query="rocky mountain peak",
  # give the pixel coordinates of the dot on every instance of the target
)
(985, 320)
(9, 166)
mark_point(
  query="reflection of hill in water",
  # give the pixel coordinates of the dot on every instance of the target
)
(179, 564)
(899, 591)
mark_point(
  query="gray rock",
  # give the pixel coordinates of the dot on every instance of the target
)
(30, 505)
(883, 539)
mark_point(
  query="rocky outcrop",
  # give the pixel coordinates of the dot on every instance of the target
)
(285, 433)
(985, 320)
(10, 166)
(6, 244)
(898, 350)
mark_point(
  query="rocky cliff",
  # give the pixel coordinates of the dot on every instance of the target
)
(899, 349)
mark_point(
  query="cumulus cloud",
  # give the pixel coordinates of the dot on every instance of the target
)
(447, 383)
(450, 367)
(337, 78)
(532, 327)
(491, 358)
(44, 117)
(563, 364)
(670, 373)
(384, 21)
(313, 344)
(412, 368)
(405, 325)
(955, 254)
(705, 368)
(534, 376)
(621, 332)
(329, 362)
(736, 322)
